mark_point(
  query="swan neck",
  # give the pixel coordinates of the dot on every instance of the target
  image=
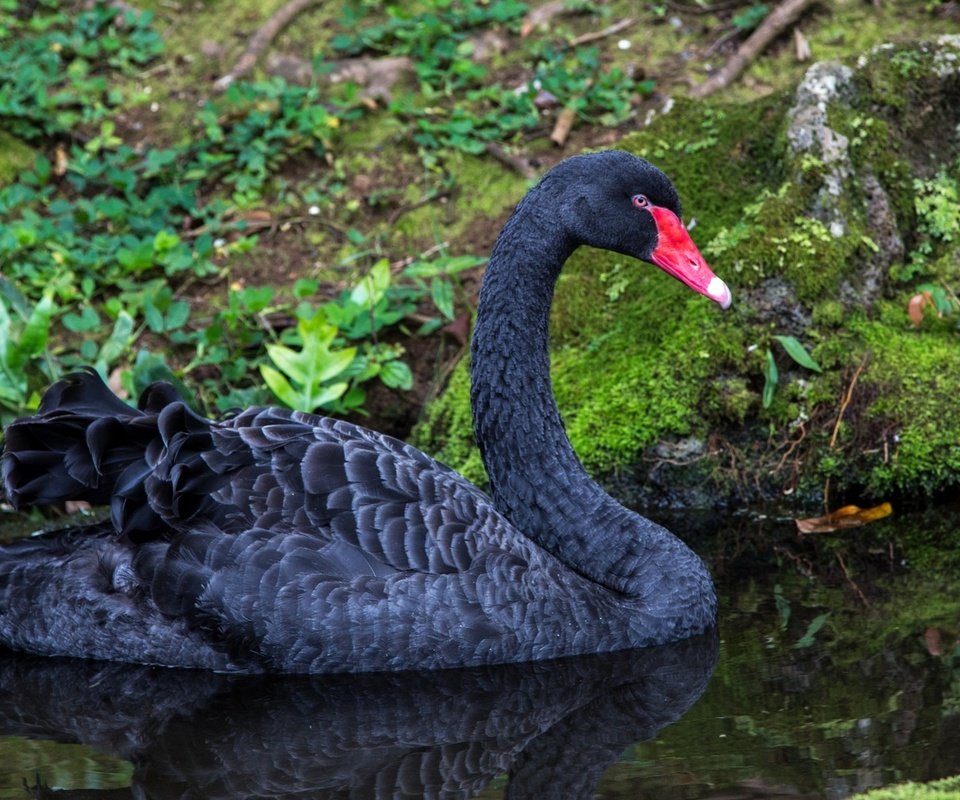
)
(536, 479)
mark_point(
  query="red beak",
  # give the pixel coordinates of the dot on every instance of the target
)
(677, 255)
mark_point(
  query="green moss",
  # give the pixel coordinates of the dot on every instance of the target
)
(15, 156)
(482, 196)
(946, 789)
(642, 379)
(914, 377)
(446, 429)
(719, 156)
(638, 360)
(849, 27)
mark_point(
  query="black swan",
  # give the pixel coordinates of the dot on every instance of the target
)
(280, 541)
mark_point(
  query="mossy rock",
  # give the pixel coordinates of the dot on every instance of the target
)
(826, 209)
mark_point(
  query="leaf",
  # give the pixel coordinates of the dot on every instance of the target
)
(798, 352)
(327, 395)
(397, 375)
(916, 306)
(771, 376)
(291, 363)
(812, 630)
(373, 285)
(846, 517)
(86, 320)
(334, 363)
(33, 337)
(119, 340)
(281, 388)
(441, 292)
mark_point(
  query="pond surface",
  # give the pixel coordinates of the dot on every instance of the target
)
(835, 669)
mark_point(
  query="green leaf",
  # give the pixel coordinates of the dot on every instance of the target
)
(87, 320)
(33, 337)
(335, 363)
(373, 285)
(771, 375)
(441, 292)
(812, 630)
(291, 363)
(177, 315)
(397, 375)
(282, 389)
(118, 342)
(783, 606)
(798, 352)
(327, 395)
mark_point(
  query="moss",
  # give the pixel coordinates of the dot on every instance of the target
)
(848, 27)
(719, 156)
(446, 429)
(638, 361)
(482, 195)
(914, 376)
(946, 789)
(15, 156)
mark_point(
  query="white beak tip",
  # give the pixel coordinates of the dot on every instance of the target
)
(718, 291)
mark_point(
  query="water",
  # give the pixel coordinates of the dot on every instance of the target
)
(834, 670)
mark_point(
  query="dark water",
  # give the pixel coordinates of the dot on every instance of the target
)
(835, 669)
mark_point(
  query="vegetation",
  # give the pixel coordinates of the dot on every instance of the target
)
(294, 243)
(818, 359)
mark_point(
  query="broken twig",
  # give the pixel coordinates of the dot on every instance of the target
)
(622, 25)
(259, 42)
(516, 163)
(777, 21)
(561, 130)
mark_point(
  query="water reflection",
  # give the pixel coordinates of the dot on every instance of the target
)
(553, 728)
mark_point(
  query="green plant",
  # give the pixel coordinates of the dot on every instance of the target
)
(771, 375)
(54, 65)
(748, 19)
(937, 205)
(23, 341)
(336, 346)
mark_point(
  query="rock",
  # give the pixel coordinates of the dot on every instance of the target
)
(824, 208)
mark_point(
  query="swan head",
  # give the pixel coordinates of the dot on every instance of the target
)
(616, 201)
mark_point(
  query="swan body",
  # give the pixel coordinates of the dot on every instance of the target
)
(281, 541)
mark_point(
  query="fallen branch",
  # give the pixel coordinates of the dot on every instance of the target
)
(685, 8)
(541, 16)
(622, 25)
(423, 201)
(561, 130)
(261, 40)
(517, 164)
(776, 22)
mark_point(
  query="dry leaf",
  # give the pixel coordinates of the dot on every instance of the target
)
(846, 517)
(916, 305)
(60, 161)
(931, 638)
(541, 16)
(459, 329)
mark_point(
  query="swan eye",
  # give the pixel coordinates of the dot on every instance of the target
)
(640, 201)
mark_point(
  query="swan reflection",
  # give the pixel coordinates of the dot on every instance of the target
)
(552, 727)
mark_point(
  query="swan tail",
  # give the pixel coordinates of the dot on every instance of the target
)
(81, 444)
